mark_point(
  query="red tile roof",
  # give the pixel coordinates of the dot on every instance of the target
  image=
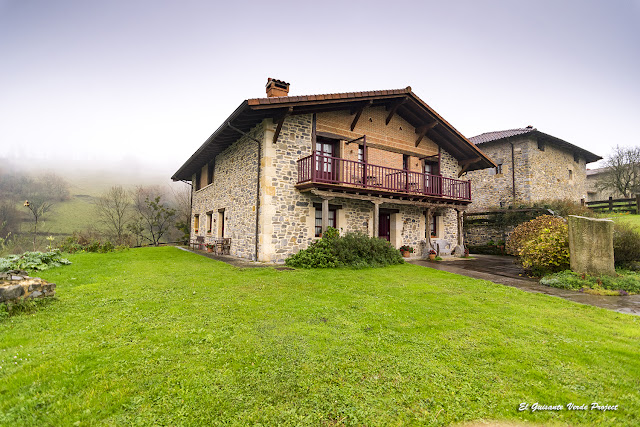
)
(492, 136)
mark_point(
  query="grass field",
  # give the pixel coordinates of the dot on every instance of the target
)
(160, 336)
(627, 218)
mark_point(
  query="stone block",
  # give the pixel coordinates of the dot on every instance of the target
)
(591, 245)
(11, 292)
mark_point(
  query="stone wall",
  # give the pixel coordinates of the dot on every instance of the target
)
(286, 221)
(539, 174)
(234, 190)
(481, 234)
(16, 285)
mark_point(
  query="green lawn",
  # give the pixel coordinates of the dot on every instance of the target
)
(628, 218)
(163, 337)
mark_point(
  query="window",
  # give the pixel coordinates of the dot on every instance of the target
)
(197, 181)
(196, 223)
(405, 162)
(209, 222)
(541, 145)
(433, 226)
(331, 222)
(570, 174)
(361, 153)
(576, 158)
(499, 169)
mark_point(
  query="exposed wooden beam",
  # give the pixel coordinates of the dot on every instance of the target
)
(422, 131)
(280, 122)
(374, 199)
(394, 108)
(467, 162)
(358, 113)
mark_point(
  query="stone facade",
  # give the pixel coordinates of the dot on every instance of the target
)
(286, 221)
(542, 172)
(230, 200)
(594, 193)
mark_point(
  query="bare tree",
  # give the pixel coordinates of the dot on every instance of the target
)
(182, 203)
(623, 171)
(154, 217)
(113, 209)
(39, 205)
(54, 185)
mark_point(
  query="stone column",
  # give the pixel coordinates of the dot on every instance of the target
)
(325, 214)
(376, 217)
(428, 225)
(460, 232)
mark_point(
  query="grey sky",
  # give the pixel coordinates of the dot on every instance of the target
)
(146, 82)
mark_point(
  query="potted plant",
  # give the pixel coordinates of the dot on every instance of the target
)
(210, 247)
(432, 255)
(406, 250)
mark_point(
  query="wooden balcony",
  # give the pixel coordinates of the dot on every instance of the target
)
(347, 175)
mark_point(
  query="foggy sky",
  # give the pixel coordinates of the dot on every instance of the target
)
(144, 83)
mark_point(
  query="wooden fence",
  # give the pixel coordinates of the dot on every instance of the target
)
(614, 205)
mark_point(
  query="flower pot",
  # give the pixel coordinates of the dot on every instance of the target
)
(432, 257)
(406, 254)
(209, 249)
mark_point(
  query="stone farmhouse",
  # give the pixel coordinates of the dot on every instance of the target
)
(530, 166)
(281, 169)
(594, 192)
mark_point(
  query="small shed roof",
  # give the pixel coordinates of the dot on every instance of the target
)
(512, 133)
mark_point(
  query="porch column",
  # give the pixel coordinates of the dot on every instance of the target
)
(325, 214)
(376, 217)
(428, 225)
(460, 233)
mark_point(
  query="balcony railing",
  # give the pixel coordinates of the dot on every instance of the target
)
(317, 168)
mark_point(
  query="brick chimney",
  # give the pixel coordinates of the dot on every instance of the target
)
(277, 88)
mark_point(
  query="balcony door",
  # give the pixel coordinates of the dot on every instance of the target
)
(326, 164)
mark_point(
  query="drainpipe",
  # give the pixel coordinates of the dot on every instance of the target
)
(513, 172)
(257, 229)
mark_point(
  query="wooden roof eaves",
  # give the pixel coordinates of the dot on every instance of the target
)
(453, 130)
(206, 145)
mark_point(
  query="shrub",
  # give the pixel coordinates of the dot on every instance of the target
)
(548, 251)
(625, 282)
(351, 250)
(626, 244)
(528, 230)
(33, 261)
(79, 242)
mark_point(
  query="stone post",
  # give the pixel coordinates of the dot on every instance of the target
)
(591, 245)
(428, 225)
(325, 214)
(459, 249)
(376, 217)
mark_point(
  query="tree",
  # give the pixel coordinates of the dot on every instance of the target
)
(113, 210)
(54, 185)
(153, 216)
(623, 171)
(182, 203)
(39, 205)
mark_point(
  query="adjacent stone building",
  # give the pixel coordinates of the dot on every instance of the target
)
(282, 169)
(594, 191)
(530, 166)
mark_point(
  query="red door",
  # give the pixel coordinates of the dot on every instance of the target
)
(384, 227)
(325, 164)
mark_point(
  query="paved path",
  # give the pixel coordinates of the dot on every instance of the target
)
(231, 260)
(503, 270)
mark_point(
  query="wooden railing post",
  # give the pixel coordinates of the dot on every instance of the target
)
(313, 166)
(638, 204)
(610, 203)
